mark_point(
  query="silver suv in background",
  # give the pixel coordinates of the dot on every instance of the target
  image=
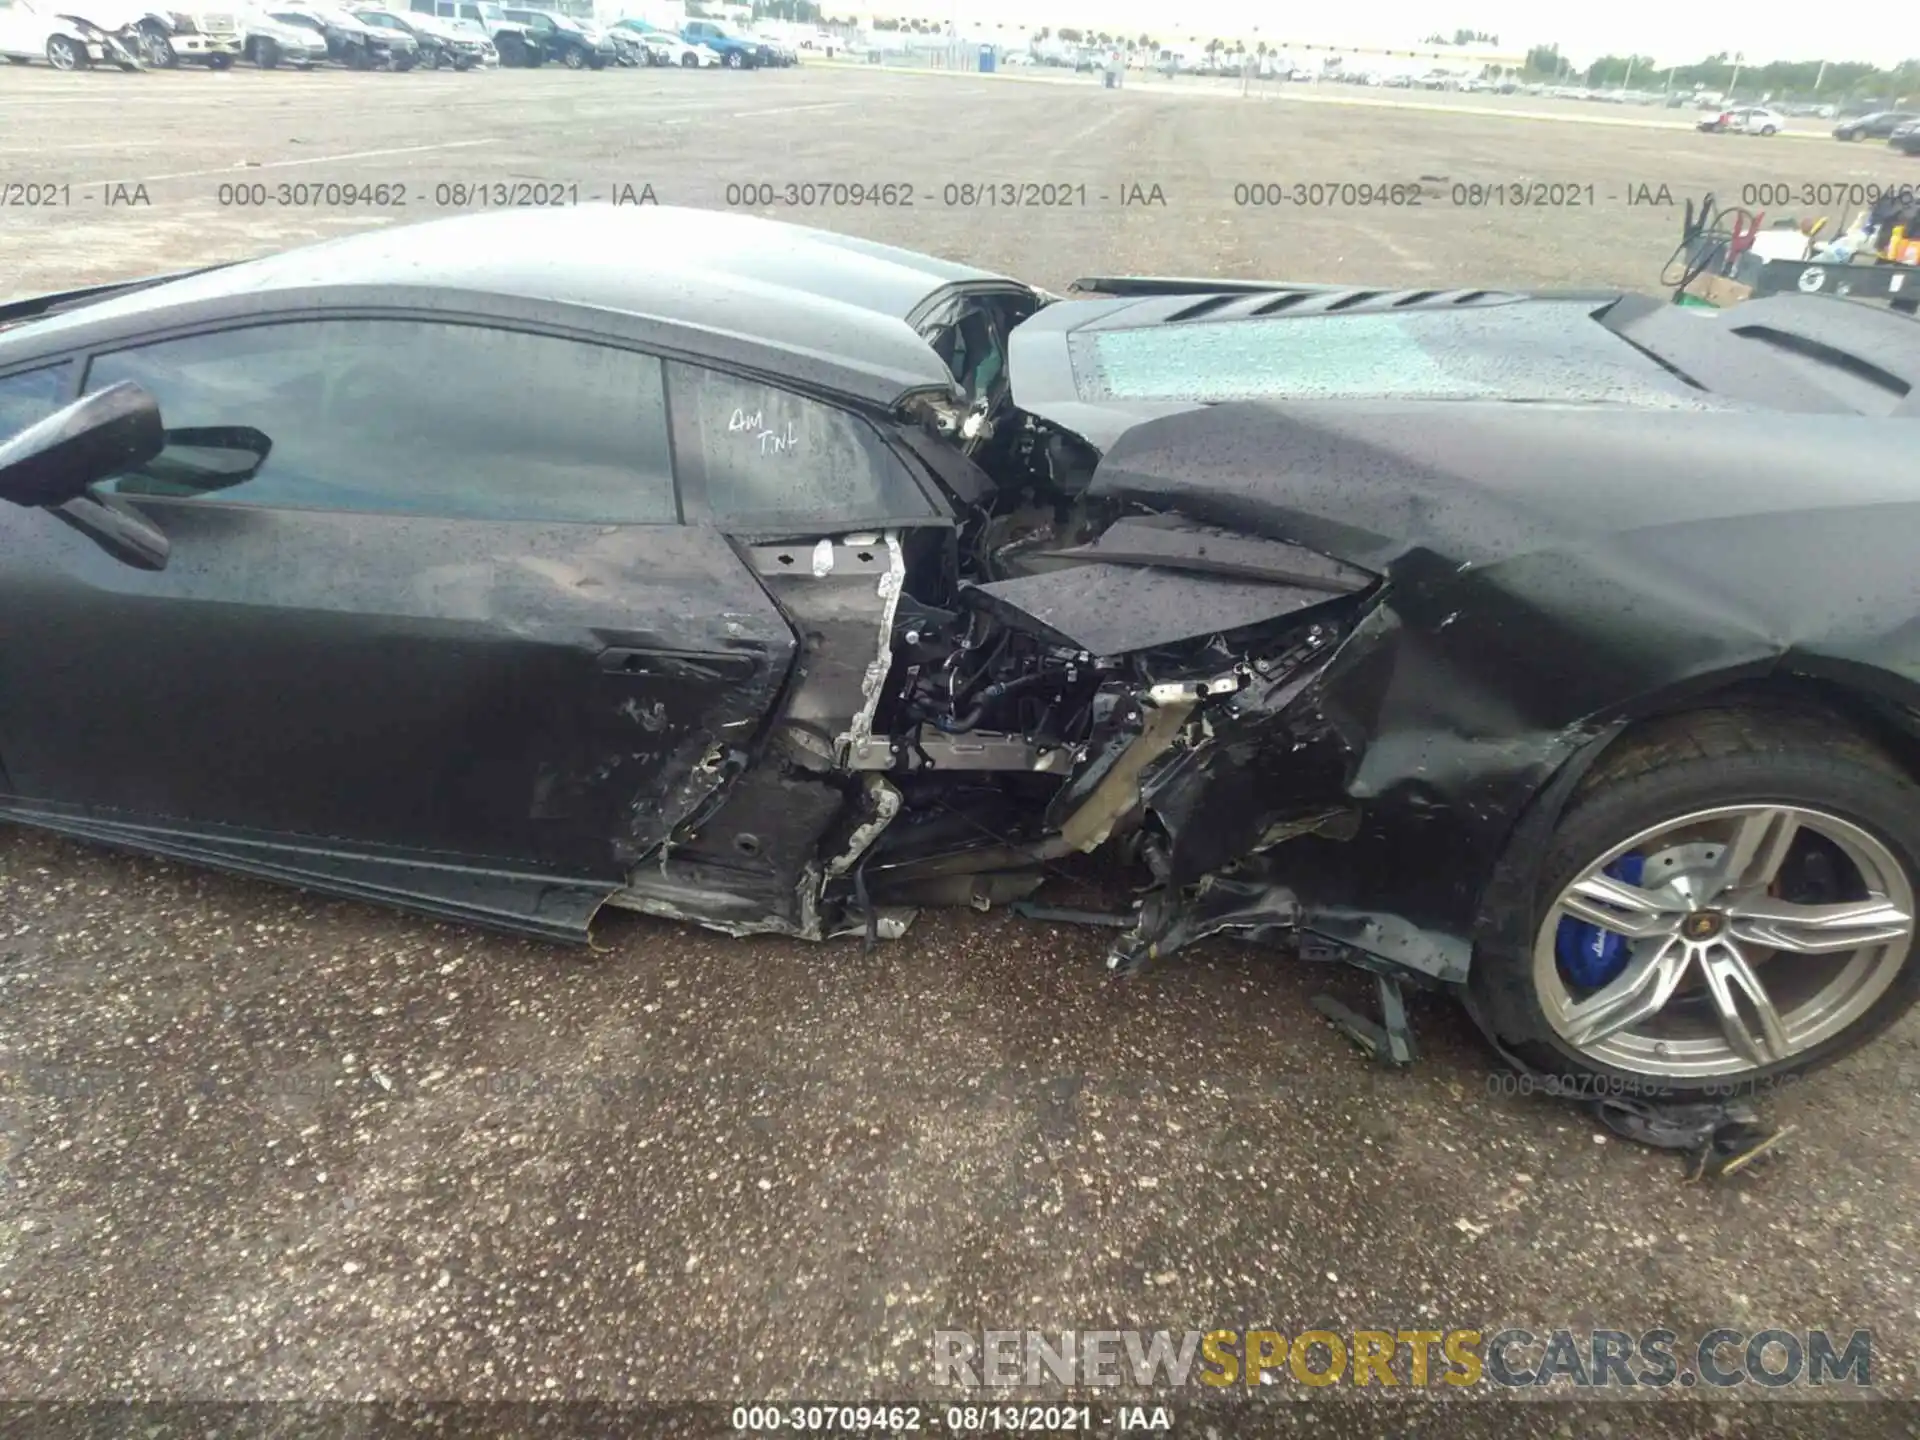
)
(167, 38)
(513, 43)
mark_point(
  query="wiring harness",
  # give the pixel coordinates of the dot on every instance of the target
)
(1711, 239)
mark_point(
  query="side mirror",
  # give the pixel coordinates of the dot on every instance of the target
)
(97, 437)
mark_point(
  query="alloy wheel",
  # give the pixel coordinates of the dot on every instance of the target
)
(1724, 941)
(63, 54)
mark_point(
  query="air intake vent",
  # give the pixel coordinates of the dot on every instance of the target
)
(1415, 297)
(1274, 307)
(1204, 307)
(1471, 297)
(1358, 297)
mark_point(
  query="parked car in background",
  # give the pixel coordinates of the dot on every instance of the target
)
(574, 44)
(476, 32)
(175, 37)
(628, 48)
(31, 30)
(269, 43)
(513, 44)
(737, 50)
(1747, 120)
(1878, 125)
(441, 48)
(784, 55)
(352, 42)
(1906, 139)
(663, 47)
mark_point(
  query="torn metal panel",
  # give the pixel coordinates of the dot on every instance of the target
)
(1114, 609)
(1176, 543)
(841, 594)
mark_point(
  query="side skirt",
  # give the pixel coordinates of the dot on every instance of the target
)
(545, 907)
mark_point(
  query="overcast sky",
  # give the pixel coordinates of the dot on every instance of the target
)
(1671, 33)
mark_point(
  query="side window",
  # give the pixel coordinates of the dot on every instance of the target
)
(409, 417)
(32, 395)
(764, 458)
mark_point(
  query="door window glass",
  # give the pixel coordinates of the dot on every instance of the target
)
(767, 459)
(31, 395)
(411, 417)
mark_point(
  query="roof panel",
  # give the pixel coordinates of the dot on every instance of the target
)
(823, 298)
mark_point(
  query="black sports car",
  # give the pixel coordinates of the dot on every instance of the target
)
(1562, 649)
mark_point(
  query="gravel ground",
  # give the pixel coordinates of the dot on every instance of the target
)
(257, 1145)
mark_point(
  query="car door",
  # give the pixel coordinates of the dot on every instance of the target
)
(454, 617)
(828, 516)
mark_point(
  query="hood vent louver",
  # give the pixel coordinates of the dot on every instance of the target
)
(1204, 307)
(1221, 309)
(1284, 302)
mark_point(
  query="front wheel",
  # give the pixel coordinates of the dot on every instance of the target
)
(219, 62)
(734, 62)
(1728, 901)
(1769, 130)
(690, 62)
(65, 54)
(574, 60)
(160, 52)
(264, 53)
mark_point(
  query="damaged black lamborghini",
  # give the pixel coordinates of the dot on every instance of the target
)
(1559, 648)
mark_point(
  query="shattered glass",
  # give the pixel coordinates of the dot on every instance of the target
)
(1435, 354)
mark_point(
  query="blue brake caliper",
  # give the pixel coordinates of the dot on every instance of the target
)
(1589, 955)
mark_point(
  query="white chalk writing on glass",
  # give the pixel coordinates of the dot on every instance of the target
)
(773, 441)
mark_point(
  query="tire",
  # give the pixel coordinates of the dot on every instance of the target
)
(357, 58)
(574, 60)
(160, 52)
(219, 62)
(462, 64)
(63, 54)
(1769, 130)
(689, 62)
(1694, 764)
(734, 60)
(263, 53)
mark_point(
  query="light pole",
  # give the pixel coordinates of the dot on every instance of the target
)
(1735, 83)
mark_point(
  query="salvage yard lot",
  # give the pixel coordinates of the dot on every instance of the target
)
(257, 1144)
